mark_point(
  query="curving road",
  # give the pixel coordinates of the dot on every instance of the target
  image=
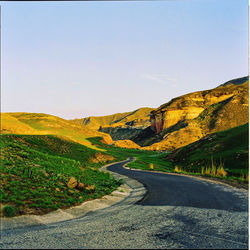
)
(176, 212)
(176, 190)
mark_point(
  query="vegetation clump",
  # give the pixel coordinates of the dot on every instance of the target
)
(151, 166)
(8, 211)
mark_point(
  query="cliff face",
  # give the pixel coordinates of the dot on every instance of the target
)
(190, 106)
(187, 118)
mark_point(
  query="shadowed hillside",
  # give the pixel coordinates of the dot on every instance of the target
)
(228, 147)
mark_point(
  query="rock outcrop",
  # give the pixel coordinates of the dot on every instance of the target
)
(72, 183)
(120, 126)
(187, 118)
(100, 157)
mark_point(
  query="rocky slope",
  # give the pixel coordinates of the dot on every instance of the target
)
(121, 125)
(188, 118)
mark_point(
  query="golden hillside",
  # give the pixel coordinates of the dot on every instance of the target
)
(139, 117)
(187, 118)
(126, 144)
(38, 123)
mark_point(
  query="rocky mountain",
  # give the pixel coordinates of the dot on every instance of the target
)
(188, 118)
(121, 125)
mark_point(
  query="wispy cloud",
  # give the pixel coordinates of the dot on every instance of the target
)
(161, 78)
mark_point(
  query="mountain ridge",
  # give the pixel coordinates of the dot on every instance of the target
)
(189, 117)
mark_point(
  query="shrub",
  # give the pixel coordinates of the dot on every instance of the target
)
(8, 211)
(208, 171)
(177, 169)
(221, 171)
(202, 170)
(213, 170)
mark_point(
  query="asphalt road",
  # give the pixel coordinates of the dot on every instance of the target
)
(177, 212)
(177, 190)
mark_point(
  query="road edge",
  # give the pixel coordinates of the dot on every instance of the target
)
(131, 190)
(202, 178)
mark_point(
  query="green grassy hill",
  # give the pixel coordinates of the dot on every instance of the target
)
(35, 170)
(229, 147)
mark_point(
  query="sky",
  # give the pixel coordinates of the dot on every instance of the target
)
(79, 59)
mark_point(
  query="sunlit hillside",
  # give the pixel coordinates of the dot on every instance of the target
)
(38, 123)
(139, 116)
(188, 118)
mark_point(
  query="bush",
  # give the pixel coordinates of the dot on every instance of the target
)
(8, 211)
(178, 169)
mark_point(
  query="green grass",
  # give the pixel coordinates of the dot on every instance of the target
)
(229, 147)
(8, 211)
(143, 157)
(35, 171)
(44, 124)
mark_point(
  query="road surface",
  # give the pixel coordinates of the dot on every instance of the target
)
(176, 212)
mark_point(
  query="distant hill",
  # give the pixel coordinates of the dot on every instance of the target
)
(120, 125)
(41, 124)
(190, 117)
(229, 147)
(236, 81)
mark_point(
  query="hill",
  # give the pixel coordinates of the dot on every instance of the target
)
(121, 125)
(236, 81)
(190, 117)
(38, 123)
(36, 171)
(229, 147)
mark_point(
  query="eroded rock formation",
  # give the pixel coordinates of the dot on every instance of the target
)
(187, 118)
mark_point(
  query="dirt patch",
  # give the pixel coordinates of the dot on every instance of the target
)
(126, 144)
(99, 157)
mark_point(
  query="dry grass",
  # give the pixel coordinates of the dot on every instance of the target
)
(178, 169)
(208, 171)
(126, 144)
(118, 119)
(151, 166)
(244, 177)
(221, 171)
(214, 170)
(202, 170)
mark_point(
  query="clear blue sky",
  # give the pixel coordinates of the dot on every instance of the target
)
(76, 59)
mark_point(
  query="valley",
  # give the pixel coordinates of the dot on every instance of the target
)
(201, 134)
